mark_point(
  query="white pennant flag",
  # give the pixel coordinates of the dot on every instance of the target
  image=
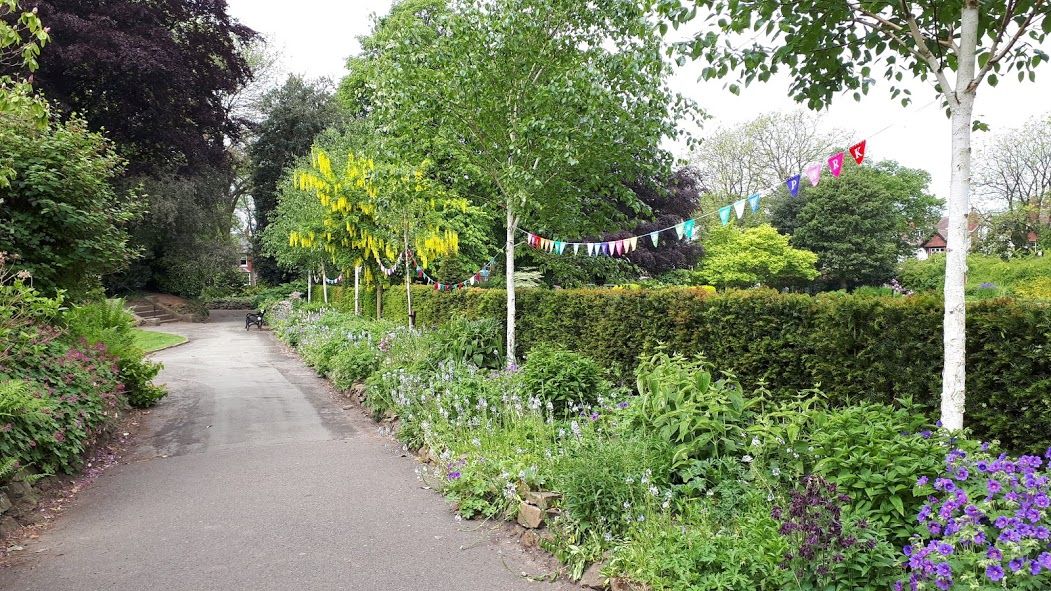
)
(680, 228)
(591, 249)
(739, 208)
(576, 248)
(633, 243)
(654, 236)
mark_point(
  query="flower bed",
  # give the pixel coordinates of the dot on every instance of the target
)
(687, 480)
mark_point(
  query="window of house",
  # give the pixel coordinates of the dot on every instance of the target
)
(244, 262)
(935, 249)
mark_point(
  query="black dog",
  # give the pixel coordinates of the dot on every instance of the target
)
(253, 318)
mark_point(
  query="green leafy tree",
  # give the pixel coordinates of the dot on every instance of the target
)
(736, 257)
(554, 104)
(294, 115)
(863, 223)
(22, 35)
(60, 213)
(832, 46)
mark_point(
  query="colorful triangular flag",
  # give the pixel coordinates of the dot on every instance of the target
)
(857, 151)
(688, 229)
(793, 185)
(739, 208)
(813, 172)
(680, 228)
(633, 243)
(724, 214)
(753, 201)
(655, 237)
(835, 164)
(576, 248)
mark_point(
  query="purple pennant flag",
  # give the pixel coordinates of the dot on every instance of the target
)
(793, 185)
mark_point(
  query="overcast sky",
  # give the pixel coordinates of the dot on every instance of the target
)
(316, 36)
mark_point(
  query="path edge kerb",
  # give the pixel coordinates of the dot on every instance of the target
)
(165, 348)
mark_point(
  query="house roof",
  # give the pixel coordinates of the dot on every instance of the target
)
(940, 237)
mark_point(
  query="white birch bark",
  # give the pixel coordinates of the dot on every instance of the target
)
(509, 253)
(324, 284)
(357, 291)
(961, 102)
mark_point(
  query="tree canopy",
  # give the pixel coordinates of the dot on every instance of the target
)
(152, 74)
(736, 257)
(861, 224)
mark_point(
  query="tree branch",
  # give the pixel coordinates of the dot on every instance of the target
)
(998, 57)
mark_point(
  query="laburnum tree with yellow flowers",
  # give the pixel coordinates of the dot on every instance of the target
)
(379, 212)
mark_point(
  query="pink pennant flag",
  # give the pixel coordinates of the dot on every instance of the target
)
(835, 164)
(857, 152)
(813, 172)
(620, 247)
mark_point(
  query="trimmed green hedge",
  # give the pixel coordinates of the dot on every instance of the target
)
(853, 348)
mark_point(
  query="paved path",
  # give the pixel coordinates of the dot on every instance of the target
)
(249, 475)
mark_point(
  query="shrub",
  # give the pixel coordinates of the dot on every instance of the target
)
(107, 322)
(853, 348)
(479, 342)
(354, 364)
(608, 484)
(704, 419)
(563, 378)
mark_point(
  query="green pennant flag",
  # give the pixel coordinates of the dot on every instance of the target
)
(724, 214)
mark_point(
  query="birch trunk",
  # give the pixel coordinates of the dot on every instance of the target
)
(408, 284)
(324, 284)
(310, 286)
(357, 291)
(509, 253)
(954, 371)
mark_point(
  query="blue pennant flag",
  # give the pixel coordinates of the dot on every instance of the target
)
(793, 185)
(753, 201)
(688, 229)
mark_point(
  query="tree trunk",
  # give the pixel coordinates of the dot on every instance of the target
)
(310, 285)
(357, 291)
(408, 284)
(324, 284)
(509, 252)
(954, 371)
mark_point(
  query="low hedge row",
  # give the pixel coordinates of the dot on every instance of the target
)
(852, 348)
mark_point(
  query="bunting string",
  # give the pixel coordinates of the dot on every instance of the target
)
(688, 229)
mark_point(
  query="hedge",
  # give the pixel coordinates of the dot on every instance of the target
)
(852, 348)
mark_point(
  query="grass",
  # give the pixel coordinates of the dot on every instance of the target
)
(151, 341)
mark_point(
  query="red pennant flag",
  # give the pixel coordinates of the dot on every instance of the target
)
(437, 286)
(857, 151)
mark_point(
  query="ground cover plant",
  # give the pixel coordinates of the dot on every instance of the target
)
(689, 478)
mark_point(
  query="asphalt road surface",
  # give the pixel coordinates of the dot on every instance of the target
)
(250, 475)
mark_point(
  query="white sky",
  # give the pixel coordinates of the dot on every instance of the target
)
(318, 35)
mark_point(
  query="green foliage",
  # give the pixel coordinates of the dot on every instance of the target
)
(563, 379)
(60, 213)
(1024, 277)
(295, 114)
(874, 454)
(608, 483)
(853, 348)
(697, 551)
(107, 323)
(861, 224)
(704, 419)
(846, 46)
(354, 364)
(754, 256)
(478, 342)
